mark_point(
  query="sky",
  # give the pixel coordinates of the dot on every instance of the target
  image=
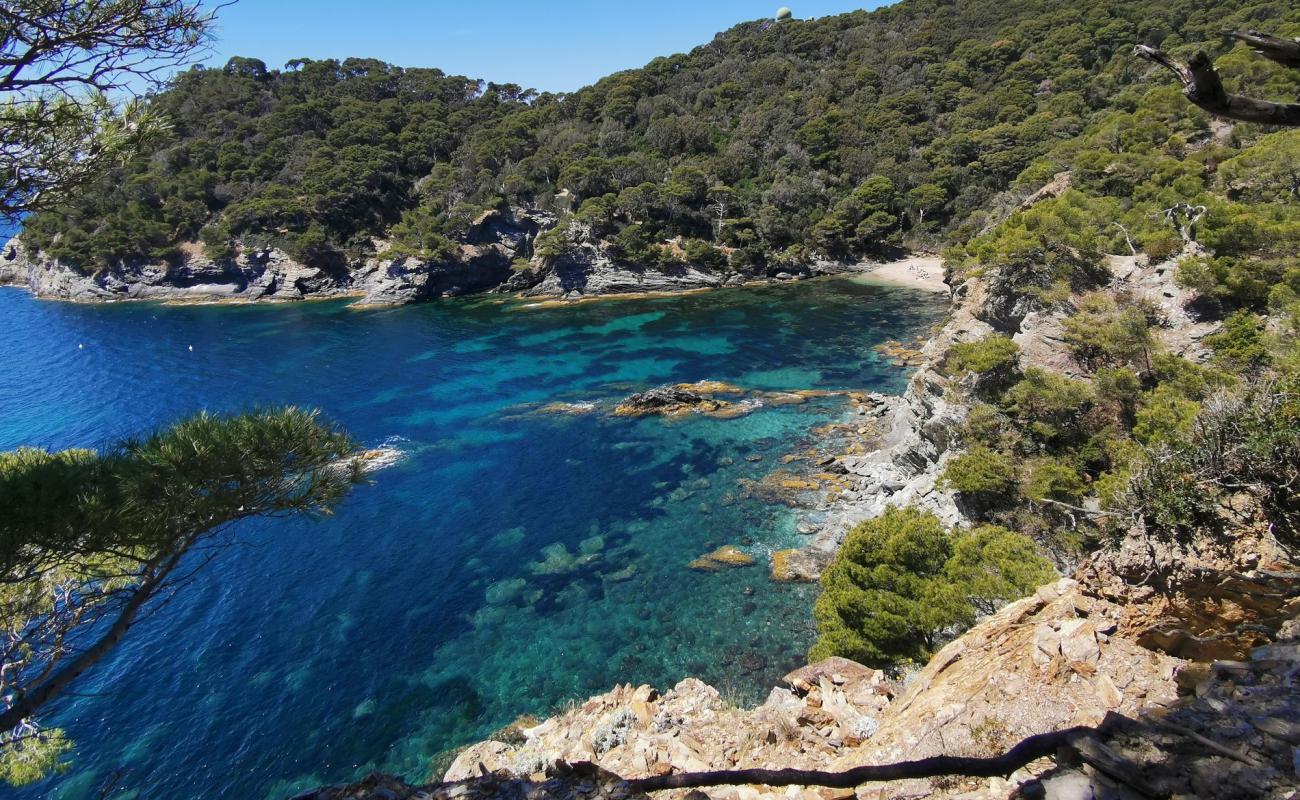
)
(549, 45)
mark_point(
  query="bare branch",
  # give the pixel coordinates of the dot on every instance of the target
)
(1284, 51)
(1204, 88)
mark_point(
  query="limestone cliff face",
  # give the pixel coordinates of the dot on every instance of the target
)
(496, 255)
(909, 439)
(273, 275)
(1066, 656)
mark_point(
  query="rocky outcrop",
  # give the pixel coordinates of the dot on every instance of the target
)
(253, 275)
(905, 443)
(726, 557)
(595, 273)
(908, 440)
(637, 732)
(576, 783)
(589, 269)
(687, 398)
(496, 255)
(1064, 657)
(487, 254)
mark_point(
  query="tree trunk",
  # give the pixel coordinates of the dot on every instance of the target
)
(27, 705)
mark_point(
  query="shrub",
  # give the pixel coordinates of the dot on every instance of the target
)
(554, 243)
(993, 354)
(1242, 445)
(703, 254)
(1051, 406)
(981, 472)
(1239, 346)
(312, 247)
(1165, 415)
(984, 424)
(1053, 479)
(1101, 333)
(901, 582)
(421, 234)
(1122, 389)
(994, 566)
(216, 241)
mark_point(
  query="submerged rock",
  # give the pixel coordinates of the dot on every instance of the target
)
(708, 387)
(784, 398)
(680, 399)
(571, 409)
(725, 557)
(795, 566)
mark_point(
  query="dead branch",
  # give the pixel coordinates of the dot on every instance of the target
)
(1127, 238)
(1284, 51)
(1201, 740)
(1185, 217)
(1203, 87)
(1030, 749)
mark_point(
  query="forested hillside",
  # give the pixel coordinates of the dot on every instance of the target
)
(836, 137)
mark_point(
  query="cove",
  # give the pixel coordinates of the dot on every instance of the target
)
(513, 561)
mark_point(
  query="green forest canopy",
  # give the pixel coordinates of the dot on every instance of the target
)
(839, 136)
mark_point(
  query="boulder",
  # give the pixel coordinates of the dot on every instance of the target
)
(840, 672)
(787, 567)
(725, 557)
(666, 401)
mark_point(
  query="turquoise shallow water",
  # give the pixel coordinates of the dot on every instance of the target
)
(512, 562)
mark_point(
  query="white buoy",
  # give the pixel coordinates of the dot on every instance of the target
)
(81, 346)
(191, 348)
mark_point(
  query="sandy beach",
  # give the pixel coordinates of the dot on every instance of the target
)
(917, 272)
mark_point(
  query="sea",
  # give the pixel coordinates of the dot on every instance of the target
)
(512, 562)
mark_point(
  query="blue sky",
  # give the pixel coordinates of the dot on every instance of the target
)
(559, 45)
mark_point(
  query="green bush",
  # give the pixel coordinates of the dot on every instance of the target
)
(1053, 479)
(1101, 333)
(703, 254)
(993, 354)
(1240, 345)
(421, 234)
(993, 566)
(1050, 406)
(1165, 415)
(1244, 447)
(901, 582)
(984, 424)
(554, 243)
(981, 472)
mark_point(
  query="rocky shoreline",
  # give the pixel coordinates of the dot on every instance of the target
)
(496, 257)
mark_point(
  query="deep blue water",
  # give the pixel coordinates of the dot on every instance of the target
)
(513, 561)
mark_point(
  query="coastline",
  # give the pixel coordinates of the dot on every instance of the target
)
(276, 278)
(921, 272)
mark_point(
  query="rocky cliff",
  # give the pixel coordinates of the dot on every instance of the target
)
(903, 443)
(1064, 657)
(268, 274)
(496, 254)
